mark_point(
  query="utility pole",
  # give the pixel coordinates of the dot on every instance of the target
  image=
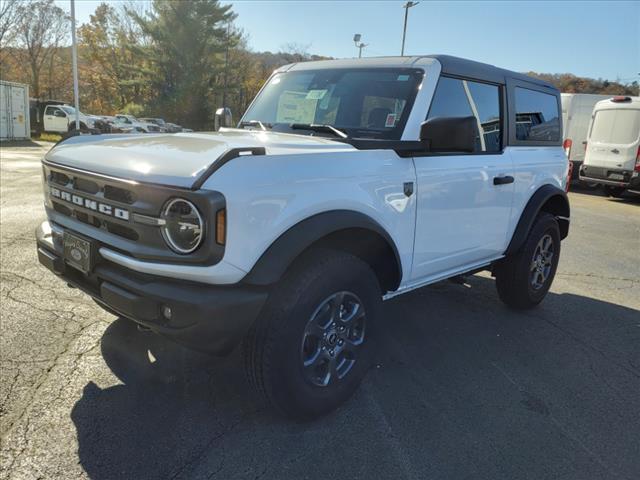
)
(406, 7)
(74, 59)
(359, 44)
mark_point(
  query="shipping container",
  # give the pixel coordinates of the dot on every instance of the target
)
(14, 111)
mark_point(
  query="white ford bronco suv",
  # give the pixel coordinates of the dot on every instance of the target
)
(345, 183)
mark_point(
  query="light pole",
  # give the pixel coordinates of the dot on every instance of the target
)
(74, 57)
(406, 7)
(359, 44)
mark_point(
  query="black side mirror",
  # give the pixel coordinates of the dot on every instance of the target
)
(223, 118)
(449, 134)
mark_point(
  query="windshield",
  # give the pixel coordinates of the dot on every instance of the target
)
(363, 103)
(69, 110)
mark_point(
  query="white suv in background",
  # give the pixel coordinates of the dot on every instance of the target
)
(347, 182)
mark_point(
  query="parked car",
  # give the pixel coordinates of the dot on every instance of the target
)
(577, 109)
(117, 126)
(173, 128)
(164, 126)
(57, 117)
(138, 124)
(613, 146)
(100, 124)
(346, 183)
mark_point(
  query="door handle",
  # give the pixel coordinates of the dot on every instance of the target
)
(503, 180)
(615, 150)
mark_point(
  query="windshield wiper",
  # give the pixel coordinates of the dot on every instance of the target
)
(315, 127)
(254, 123)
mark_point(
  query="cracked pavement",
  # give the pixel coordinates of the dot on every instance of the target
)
(463, 387)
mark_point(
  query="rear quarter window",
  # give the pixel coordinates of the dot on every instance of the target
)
(537, 116)
(616, 126)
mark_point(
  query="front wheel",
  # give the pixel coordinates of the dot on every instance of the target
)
(313, 343)
(524, 278)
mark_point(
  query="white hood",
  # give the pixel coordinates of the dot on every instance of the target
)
(174, 159)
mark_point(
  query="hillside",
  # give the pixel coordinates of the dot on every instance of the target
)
(569, 83)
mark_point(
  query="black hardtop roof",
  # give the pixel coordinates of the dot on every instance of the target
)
(483, 71)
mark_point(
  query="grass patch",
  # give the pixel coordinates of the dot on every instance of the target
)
(49, 137)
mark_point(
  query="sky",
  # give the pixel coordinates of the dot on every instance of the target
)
(592, 39)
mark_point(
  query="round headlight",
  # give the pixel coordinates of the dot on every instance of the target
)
(183, 229)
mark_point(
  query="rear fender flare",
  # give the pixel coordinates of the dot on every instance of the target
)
(547, 198)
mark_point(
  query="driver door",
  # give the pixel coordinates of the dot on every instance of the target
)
(464, 199)
(55, 119)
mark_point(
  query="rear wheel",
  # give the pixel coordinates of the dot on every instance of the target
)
(523, 279)
(313, 343)
(615, 192)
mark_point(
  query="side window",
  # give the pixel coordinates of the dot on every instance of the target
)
(52, 111)
(537, 116)
(463, 98)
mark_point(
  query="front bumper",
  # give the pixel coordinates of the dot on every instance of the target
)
(203, 317)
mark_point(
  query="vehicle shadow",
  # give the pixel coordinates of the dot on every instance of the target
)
(19, 143)
(463, 388)
(627, 197)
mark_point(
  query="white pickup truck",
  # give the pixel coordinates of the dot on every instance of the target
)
(62, 119)
(347, 182)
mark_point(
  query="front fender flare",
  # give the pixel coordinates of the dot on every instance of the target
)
(274, 262)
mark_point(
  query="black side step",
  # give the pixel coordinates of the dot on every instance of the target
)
(224, 158)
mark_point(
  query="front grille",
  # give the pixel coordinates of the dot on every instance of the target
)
(59, 178)
(63, 209)
(88, 219)
(86, 186)
(121, 231)
(119, 194)
(79, 197)
(103, 209)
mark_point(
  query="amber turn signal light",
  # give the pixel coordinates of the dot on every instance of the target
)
(221, 226)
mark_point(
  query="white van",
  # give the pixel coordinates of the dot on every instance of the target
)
(612, 157)
(577, 109)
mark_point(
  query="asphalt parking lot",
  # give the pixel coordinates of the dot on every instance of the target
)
(463, 387)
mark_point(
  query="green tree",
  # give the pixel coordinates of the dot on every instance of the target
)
(186, 56)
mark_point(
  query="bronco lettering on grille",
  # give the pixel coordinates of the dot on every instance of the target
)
(94, 205)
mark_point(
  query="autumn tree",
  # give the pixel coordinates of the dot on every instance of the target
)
(10, 13)
(110, 65)
(40, 31)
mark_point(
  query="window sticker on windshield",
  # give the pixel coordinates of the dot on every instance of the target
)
(293, 107)
(316, 94)
(391, 120)
(403, 78)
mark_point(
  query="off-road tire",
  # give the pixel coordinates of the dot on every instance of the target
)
(615, 192)
(273, 346)
(514, 273)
